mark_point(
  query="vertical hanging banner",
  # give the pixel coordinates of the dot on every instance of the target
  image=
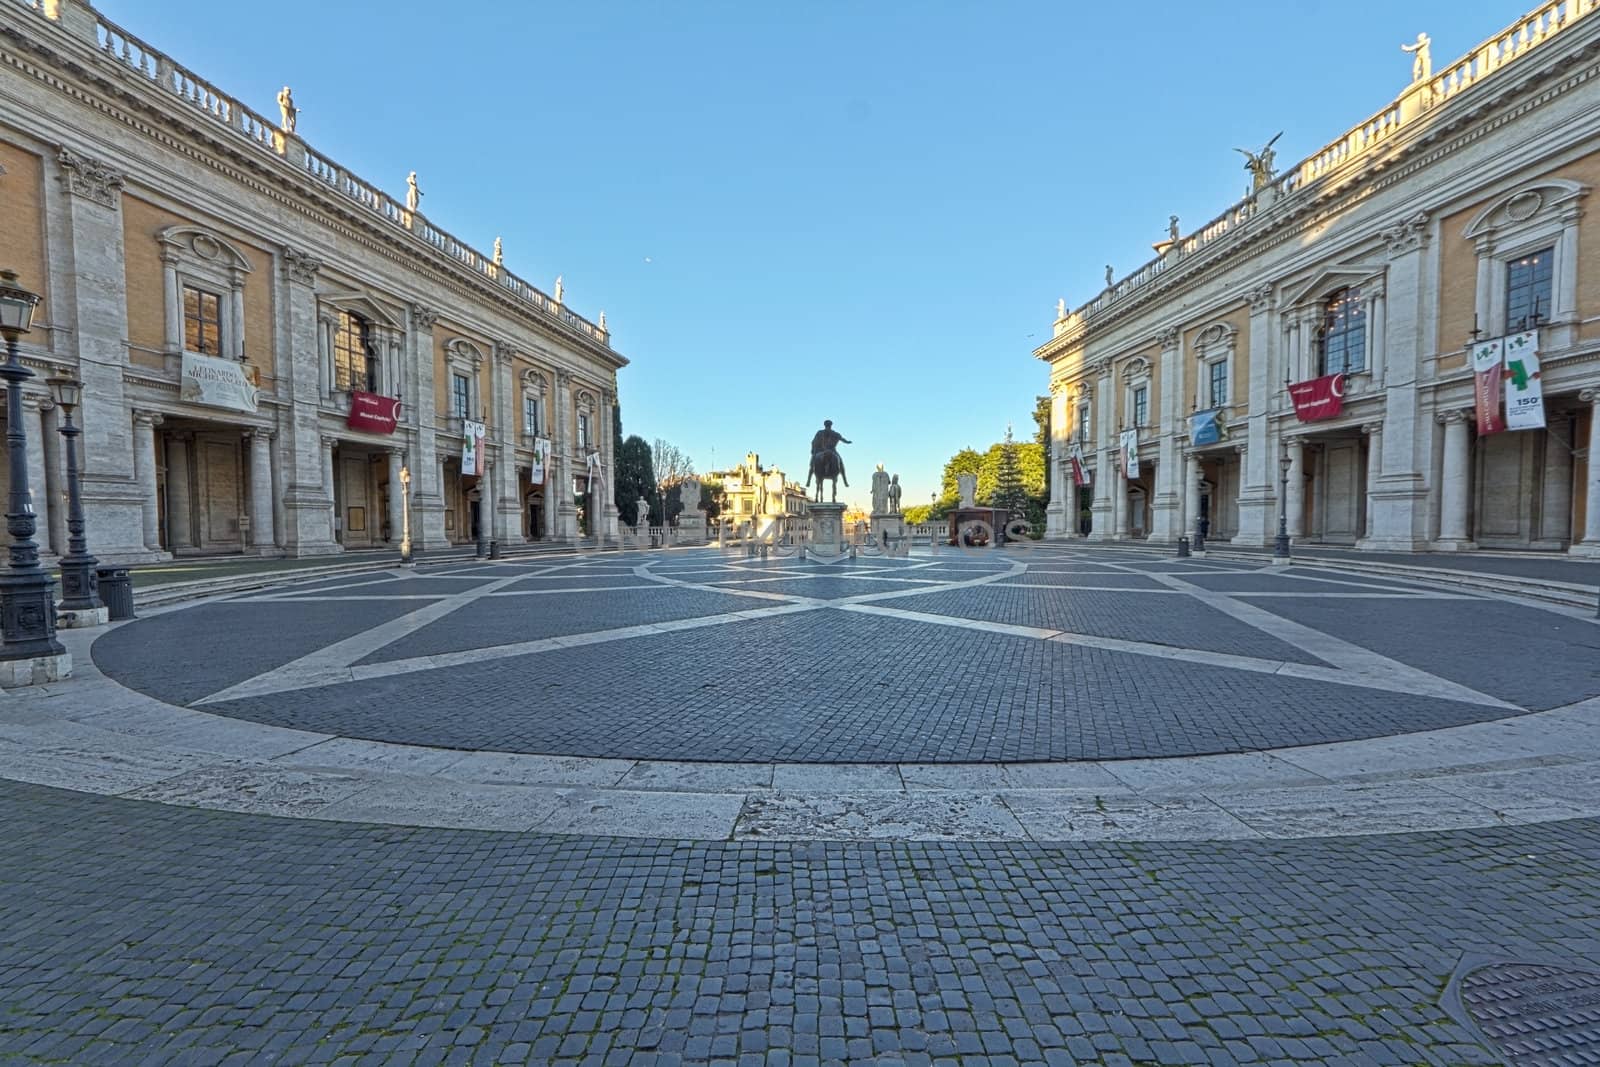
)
(1524, 391)
(1130, 454)
(472, 457)
(541, 460)
(1487, 359)
(1080, 472)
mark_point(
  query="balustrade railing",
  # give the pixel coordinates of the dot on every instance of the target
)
(133, 54)
(1414, 104)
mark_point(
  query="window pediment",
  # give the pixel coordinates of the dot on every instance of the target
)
(358, 303)
(463, 351)
(1215, 339)
(195, 243)
(1525, 205)
(1330, 280)
(1137, 367)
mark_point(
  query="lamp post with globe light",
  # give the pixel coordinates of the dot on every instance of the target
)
(79, 594)
(1280, 548)
(27, 595)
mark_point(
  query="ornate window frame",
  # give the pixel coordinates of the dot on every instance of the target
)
(463, 356)
(1216, 343)
(535, 387)
(1535, 215)
(202, 259)
(386, 334)
(1135, 376)
(1305, 309)
(584, 406)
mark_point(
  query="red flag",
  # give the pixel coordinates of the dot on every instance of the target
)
(1318, 398)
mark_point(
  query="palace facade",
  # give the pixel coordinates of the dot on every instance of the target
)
(752, 492)
(266, 339)
(1321, 346)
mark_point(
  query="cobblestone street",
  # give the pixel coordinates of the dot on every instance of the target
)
(1048, 806)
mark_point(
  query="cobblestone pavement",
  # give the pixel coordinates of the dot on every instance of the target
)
(139, 933)
(961, 657)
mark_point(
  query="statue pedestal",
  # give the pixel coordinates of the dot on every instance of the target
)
(885, 528)
(692, 527)
(827, 531)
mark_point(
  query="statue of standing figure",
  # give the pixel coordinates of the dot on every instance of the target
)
(1422, 58)
(289, 114)
(880, 491)
(560, 289)
(894, 495)
(413, 192)
(967, 486)
(641, 513)
(499, 254)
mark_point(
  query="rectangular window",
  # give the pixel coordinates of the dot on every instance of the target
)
(1219, 383)
(1528, 289)
(583, 431)
(202, 321)
(353, 364)
(1083, 424)
(460, 396)
(530, 415)
(1344, 333)
(1141, 405)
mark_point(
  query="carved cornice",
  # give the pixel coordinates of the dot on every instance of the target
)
(299, 266)
(1445, 418)
(1408, 236)
(89, 178)
(1372, 429)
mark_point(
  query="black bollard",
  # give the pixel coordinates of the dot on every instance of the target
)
(1183, 548)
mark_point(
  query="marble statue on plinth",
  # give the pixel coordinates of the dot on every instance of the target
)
(1422, 58)
(967, 485)
(641, 512)
(825, 462)
(1259, 164)
(413, 192)
(289, 114)
(894, 495)
(880, 491)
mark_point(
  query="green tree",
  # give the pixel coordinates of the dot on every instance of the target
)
(1041, 437)
(636, 477)
(917, 514)
(712, 496)
(1009, 493)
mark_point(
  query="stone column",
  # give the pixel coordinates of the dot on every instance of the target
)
(565, 445)
(1374, 432)
(1103, 522)
(180, 501)
(427, 521)
(1122, 517)
(89, 297)
(1590, 543)
(330, 498)
(144, 461)
(1401, 519)
(1192, 477)
(1267, 360)
(261, 534)
(1166, 522)
(396, 498)
(1453, 483)
(1056, 515)
(40, 486)
(1295, 499)
(55, 462)
(307, 528)
(608, 464)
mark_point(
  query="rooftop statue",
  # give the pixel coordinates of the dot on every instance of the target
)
(290, 114)
(1422, 58)
(413, 193)
(1259, 164)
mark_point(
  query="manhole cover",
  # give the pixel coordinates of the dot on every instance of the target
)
(1536, 1014)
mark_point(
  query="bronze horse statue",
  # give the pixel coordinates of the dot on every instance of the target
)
(825, 461)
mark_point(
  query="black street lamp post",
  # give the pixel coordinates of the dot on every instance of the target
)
(1280, 549)
(27, 595)
(78, 586)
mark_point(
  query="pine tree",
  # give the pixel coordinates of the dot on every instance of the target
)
(1009, 492)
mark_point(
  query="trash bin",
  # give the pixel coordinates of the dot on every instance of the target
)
(116, 592)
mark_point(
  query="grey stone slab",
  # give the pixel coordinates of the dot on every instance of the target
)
(515, 768)
(966, 777)
(624, 813)
(427, 801)
(1072, 816)
(918, 816)
(1530, 794)
(1069, 774)
(836, 777)
(698, 777)
(348, 753)
(113, 769)
(1247, 770)
(1410, 755)
(256, 788)
(1354, 808)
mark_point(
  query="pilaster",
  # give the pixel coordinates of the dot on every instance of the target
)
(307, 528)
(1166, 514)
(427, 481)
(1400, 514)
(1257, 496)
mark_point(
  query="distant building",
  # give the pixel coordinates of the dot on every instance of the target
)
(753, 491)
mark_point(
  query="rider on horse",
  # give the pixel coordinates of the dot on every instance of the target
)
(825, 461)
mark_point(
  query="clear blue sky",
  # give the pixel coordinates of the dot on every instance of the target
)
(820, 209)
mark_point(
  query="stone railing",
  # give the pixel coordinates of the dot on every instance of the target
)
(1419, 100)
(133, 54)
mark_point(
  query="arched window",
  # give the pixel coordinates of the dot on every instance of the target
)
(1344, 333)
(354, 364)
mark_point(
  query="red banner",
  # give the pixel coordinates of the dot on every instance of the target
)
(1486, 379)
(373, 413)
(1318, 398)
